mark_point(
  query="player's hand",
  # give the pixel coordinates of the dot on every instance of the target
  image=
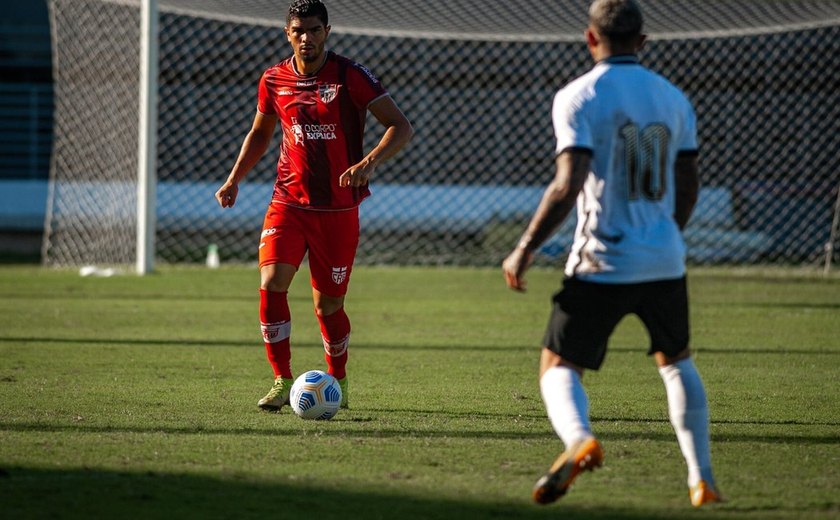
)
(227, 194)
(514, 267)
(356, 175)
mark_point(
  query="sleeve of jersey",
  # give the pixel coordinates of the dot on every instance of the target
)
(688, 140)
(571, 126)
(363, 86)
(264, 104)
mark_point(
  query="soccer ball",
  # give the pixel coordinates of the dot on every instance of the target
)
(315, 395)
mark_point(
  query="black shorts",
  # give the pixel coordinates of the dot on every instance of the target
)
(584, 315)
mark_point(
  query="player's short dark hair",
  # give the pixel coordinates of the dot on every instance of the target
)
(307, 8)
(619, 21)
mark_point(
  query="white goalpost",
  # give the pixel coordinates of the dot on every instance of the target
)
(832, 236)
(147, 137)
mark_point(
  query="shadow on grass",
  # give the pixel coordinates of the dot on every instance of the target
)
(166, 297)
(249, 342)
(431, 433)
(125, 342)
(89, 493)
(784, 305)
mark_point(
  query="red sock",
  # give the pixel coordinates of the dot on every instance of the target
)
(335, 331)
(276, 326)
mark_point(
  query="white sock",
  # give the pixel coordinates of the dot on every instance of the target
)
(689, 415)
(566, 403)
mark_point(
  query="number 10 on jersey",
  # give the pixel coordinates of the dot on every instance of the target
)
(645, 156)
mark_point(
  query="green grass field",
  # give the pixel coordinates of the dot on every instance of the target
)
(130, 397)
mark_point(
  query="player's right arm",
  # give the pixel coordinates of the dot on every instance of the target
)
(572, 169)
(253, 148)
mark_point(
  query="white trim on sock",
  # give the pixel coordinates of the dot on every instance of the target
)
(276, 332)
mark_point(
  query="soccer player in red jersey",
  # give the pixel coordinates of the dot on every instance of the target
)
(321, 100)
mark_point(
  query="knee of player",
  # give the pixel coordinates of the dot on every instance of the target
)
(327, 305)
(277, 278)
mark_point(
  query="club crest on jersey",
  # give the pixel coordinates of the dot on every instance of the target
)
(327, 92)
(339, 274)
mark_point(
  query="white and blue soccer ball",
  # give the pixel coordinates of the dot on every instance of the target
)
(315, 395)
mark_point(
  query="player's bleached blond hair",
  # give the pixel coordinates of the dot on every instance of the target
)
(619, 21)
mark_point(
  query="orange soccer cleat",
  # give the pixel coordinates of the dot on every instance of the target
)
(585, 455)
(703, 493)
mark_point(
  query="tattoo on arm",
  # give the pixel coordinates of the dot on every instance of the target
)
(572, 168)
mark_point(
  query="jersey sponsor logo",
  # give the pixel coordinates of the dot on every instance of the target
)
(325, 132)
(265, 233)
(368, 73)
(339, 274)
(306, 82)
(269, 231)
(320, 132)
(327, 92)
(285, 92)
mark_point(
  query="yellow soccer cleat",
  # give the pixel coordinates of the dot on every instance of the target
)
(344, 391)
(586, 455)
(278, 396)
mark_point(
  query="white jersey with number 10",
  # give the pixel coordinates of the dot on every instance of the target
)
(635, 122)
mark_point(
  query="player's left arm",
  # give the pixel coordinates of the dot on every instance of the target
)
(686, 176)
(687, 182)
(398, 132)
(572, 169)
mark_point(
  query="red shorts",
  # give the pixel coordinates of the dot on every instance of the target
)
(330, 237)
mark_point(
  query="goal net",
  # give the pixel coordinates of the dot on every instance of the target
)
(477, 85)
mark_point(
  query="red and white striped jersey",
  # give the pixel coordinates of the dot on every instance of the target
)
(322, 116)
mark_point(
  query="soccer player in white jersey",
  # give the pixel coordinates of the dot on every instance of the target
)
(627, 155)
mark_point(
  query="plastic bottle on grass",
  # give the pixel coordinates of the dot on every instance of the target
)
(213, 256)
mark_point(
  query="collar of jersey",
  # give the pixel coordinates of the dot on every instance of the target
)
(297, 73)
(621, 59)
